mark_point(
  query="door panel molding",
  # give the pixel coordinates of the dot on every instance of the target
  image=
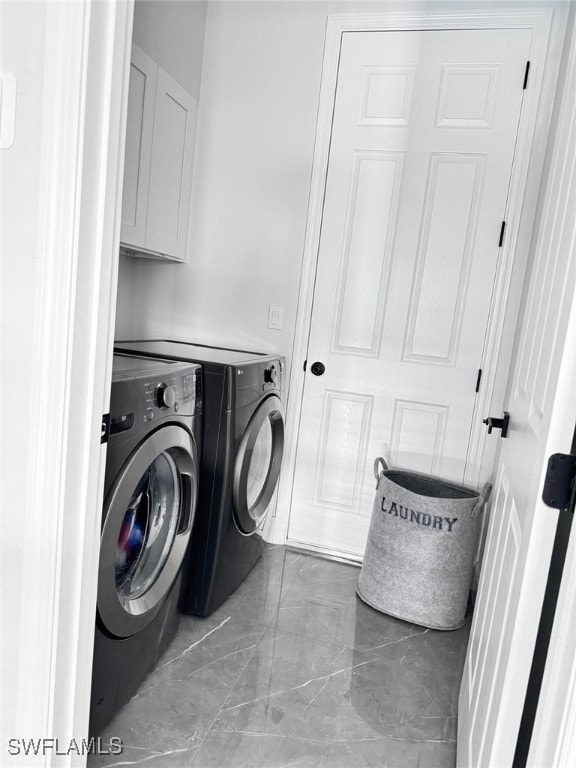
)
(458, 187)
(548, 26)
(485, 104)
(435, 414)
(354, 333)
(401, 100)
(338, 448)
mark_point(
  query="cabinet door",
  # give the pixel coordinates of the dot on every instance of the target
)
(139, 132)
(171, 168)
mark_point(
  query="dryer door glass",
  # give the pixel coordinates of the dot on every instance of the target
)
(258, 464)
(259, 467)
(149, 527)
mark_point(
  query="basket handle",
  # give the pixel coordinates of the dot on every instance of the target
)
(377, 463)
(482, 499)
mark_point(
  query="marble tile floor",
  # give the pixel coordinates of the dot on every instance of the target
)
(294, 670)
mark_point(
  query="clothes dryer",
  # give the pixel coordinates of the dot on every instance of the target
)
(243, 444)
(150, 496)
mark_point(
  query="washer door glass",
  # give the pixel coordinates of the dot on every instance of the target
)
(149, 527)
(148, 517)
(258, 463)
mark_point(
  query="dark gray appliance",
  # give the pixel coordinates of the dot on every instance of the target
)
(150, 497)
(242, 451)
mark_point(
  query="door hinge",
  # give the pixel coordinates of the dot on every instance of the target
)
(105, 431)
(526, 76)
(502, 228)
(304, 366)
(478, 379)
(559, 483)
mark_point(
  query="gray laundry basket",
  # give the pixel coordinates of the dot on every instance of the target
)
(421, 545)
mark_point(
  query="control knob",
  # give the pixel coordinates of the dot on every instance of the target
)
(270, 375)
(165, 396)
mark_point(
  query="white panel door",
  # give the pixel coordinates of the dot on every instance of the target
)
(542, 405)
(171, 167)
(423, 137)
(139, 128)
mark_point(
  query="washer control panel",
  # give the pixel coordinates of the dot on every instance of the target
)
(146, 392)
(191, 386)
(165, 396)
(171, 392)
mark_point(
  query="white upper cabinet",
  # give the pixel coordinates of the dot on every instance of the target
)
(139, 132)
(158, 166)
(171, 167)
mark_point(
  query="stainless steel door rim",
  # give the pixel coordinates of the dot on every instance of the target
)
(124, 615)
(250, 516)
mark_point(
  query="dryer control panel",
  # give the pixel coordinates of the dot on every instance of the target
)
(272, 375)
(258, 378)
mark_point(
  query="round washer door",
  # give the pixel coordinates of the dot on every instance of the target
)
(148, 518)
(258, 465)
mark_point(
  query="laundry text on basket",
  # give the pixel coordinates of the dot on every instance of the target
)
(420, 518)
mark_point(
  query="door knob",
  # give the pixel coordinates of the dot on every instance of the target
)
(495, 423)
(317, 368)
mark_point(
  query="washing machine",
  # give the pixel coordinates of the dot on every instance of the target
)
(243, 443)
(150, 498)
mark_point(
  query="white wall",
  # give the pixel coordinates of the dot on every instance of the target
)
(257, 119)
(256, 129)
(172, 33)
(59, 208)
(21, 276)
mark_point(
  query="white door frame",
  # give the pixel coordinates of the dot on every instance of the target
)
(553, 741)
(547, 22)
(83, 124)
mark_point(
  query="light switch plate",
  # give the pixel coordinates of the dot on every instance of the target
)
(275, 315)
